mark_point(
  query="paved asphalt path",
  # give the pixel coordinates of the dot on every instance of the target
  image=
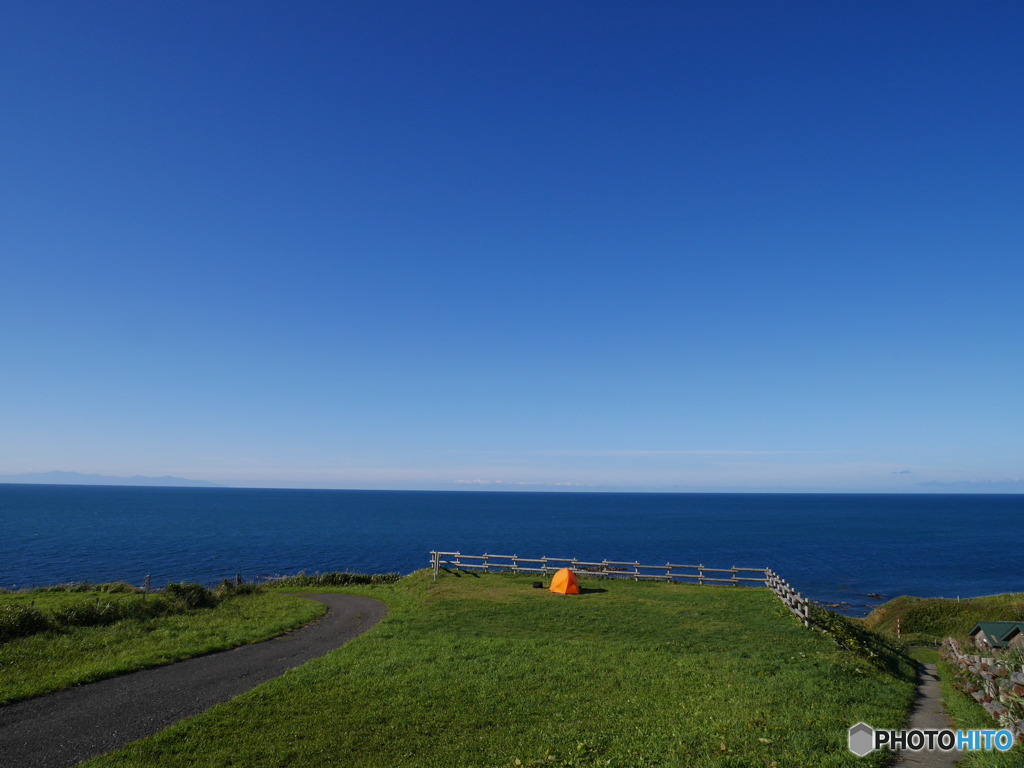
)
(67, 727)
(927, 714)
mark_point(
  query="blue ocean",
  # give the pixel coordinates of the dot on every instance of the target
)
(848, 549)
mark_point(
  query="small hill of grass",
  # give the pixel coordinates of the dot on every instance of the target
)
(483, 670)
(930, 620)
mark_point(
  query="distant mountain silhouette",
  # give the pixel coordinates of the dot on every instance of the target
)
(77, 478)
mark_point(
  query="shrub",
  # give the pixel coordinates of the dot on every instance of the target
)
(191, 595)
(229, 587)
(153, 606)
(337, 579)
(117, 587)
(111, 587)
(81, 586)
(87, 614)
(21, 620)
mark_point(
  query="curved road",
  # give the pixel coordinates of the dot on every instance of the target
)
(69, 726)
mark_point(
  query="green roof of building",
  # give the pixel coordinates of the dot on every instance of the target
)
(996, 632)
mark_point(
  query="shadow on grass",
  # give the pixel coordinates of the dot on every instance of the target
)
(473, 574)
(460, 574)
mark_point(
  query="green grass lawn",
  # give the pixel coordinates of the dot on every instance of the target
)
(49, 661)
(925, 655)
(482, 670)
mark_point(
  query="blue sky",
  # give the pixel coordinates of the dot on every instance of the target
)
(573, 245)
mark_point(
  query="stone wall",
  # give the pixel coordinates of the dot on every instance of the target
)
(995, 684)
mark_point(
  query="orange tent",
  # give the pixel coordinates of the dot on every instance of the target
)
(564, 583)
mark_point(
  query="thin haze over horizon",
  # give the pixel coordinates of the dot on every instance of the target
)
(572, 246)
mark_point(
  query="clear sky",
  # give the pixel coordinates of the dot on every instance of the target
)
(565, 245)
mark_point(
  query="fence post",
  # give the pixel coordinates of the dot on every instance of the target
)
(544, 565)
(145, 589)
(700, 574)
(485, 561)
(735, 573)
(515, 563)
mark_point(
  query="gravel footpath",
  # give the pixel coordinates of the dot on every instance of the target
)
(73, 725)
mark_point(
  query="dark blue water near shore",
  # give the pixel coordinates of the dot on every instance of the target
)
(835, 548)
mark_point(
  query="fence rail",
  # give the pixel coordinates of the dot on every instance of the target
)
(797, 604)
(604, 569)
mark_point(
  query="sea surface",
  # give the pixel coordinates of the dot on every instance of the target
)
(835, 548)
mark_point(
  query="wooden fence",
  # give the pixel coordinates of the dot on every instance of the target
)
(604, 569)
(797, 604)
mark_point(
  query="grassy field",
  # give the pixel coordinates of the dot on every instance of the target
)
(482, 670)
(52, 660)
(930, 620)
